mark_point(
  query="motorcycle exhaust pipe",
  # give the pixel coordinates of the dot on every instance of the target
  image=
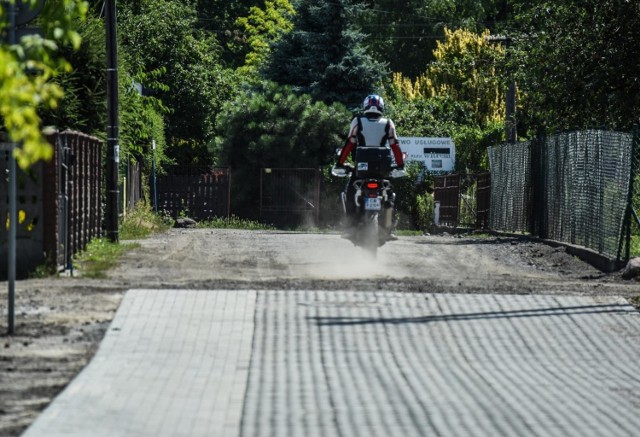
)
(343, 197)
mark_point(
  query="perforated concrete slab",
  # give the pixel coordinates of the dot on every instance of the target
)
(340, 363)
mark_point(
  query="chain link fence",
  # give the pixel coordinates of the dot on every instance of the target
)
(573, 187)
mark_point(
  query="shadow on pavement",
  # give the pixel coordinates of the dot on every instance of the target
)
(542, 312)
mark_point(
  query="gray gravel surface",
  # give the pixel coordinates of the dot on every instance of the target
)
(60, 321)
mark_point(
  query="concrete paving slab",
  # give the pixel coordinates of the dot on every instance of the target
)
(173, 363)
(343, 363)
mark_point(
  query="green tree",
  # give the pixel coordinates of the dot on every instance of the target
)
(274, 127)
(21, 91)
(323, 55)
(84, 84)
(404, 34)
(460, 95)
(163, 36)
(577, 63)
(261, 29)
(466, 68)
(219, 17)
(140, 117)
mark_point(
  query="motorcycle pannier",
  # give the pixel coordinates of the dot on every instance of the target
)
(371, 161)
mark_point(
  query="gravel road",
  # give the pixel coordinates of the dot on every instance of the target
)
(60, 321)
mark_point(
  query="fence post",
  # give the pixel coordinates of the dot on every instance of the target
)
(632, 177)
(625, 239)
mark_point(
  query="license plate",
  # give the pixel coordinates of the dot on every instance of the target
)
(372, 204)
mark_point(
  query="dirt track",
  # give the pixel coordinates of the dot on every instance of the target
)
(60, 321)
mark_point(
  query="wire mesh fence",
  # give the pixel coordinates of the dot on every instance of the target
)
(633, 246)
(572, 187)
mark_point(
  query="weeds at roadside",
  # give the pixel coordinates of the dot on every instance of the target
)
(234, 222)
(43, 271)
(635, 246)
(142, 222)
(99, 256)
(408, 232)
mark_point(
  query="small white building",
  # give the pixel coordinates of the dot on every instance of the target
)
(437, 154)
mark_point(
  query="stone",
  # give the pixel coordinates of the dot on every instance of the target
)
(632, 270)
(185, 222)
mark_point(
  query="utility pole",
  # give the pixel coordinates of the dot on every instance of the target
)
(13, 206)
(510, 103)
(113, 148)
(19, 13)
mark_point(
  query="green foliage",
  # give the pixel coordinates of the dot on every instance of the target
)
(468, 69)
(429, 117)
(271, 126)
(162, 37)
(21, 92)
(99, 256)
(219, 18)
(84, 85)
(141, 222)
(472, 144)
(234, 222)
(405, 34)
(323, 55)
(424, 207)
(459, 96)
(576, 63)
(635, 245)
(261, 29)
(411, 201)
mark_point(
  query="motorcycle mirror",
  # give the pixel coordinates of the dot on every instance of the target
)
(339, 172)
(395, 173)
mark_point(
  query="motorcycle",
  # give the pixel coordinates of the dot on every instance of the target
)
(372, 195)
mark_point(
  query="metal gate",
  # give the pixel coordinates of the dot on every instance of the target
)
(447, 194)
(199, 193)
(483, 197)
(290, 196)
(463, 200)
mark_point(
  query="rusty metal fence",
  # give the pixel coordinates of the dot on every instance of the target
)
(463, 200)
(59, 204)
(290, 196)
(446, 195)
(201, 193)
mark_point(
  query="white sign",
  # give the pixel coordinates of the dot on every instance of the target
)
(437, 154)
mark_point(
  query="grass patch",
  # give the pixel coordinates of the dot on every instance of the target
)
(99, 256)
(142, 222)
(234, 222)
(408, 232)
(43, 271)
(635, 246)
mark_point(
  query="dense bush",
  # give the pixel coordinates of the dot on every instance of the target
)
(271, 126)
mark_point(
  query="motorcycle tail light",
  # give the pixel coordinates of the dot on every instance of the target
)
(372, 185)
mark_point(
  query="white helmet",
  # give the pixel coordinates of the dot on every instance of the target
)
(373, 104)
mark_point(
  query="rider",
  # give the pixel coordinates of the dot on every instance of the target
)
(369, 130)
